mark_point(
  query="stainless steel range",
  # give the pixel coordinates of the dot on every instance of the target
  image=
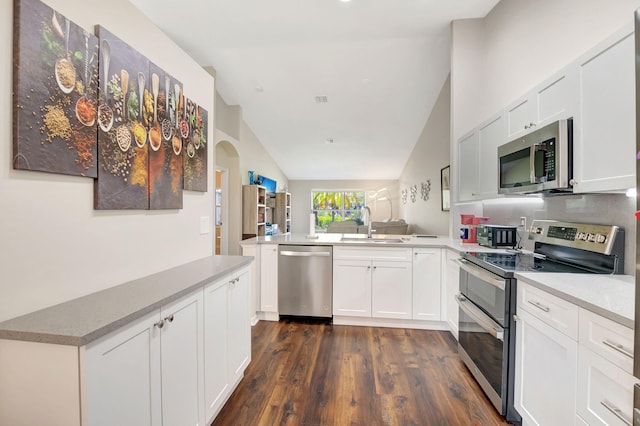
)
(487, 298)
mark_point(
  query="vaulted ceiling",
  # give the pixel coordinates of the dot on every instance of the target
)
(332, 89)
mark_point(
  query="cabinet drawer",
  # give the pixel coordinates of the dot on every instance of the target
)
(605, 392)
(373, 253)
(558, 313)
(607, 338)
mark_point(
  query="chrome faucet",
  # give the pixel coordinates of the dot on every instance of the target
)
(366, 213)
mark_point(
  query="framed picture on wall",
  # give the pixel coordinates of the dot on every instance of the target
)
(445, 184)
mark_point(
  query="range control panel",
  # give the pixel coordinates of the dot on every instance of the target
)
(585, 236)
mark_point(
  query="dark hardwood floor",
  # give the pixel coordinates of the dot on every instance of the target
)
(312, 374)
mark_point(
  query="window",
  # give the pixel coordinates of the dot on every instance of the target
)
(336, 206)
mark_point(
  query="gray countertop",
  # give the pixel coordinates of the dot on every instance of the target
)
(80, 321)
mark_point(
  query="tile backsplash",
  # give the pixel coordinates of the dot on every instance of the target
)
(608, 209)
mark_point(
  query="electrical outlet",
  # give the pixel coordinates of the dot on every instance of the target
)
(523, 222)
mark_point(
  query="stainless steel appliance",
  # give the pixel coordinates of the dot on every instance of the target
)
(541, 161)
(487, 298)
(305, 280)
(497, 236)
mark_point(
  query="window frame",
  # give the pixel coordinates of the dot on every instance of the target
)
(341, 212)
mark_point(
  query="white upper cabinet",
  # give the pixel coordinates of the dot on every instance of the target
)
(551, 100)
(468, 166)
(605, 124)
(491, 135)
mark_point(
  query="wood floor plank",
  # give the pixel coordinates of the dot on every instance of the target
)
(310, 374)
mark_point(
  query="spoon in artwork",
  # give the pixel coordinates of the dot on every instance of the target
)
(105, 113)
(65, 72)
(155, 88)
(141, 81)
(85, 109)
(124, 85)
(174, 114)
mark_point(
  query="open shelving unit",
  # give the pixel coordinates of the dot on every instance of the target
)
(254, 211)
(282, 212)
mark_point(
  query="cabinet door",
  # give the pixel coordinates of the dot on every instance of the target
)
(269, 278)
(391, 290)
(352, 288)
(605, 137)
(182, 364)
(239, 326)
(520, 116)
(545, 383)
(452, 288)
(490, 136)
(123, 376)
(216, 346)
(605, 392)
(468, 166)
(427, 284)
(556, 97)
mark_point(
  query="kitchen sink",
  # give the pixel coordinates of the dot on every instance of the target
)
(372, 240)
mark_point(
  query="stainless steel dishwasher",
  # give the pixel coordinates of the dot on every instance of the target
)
(305, 280)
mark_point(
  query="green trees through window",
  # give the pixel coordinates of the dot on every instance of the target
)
(337, 206)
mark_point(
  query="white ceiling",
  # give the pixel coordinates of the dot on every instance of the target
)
(380, 63)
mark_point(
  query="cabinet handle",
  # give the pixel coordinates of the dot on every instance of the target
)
(539, 305)
(526, 126)
(169, 318)
(375, 267)
(618, 348)
(616, 412)
(159, 324)
(516, 318)
(573, 182)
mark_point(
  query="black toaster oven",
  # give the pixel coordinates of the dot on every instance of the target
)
(497, 236)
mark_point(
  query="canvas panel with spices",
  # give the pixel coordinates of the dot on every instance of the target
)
(195, 156)
(55, 92)
(125, 116)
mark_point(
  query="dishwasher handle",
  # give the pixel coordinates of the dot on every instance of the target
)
(305, 253)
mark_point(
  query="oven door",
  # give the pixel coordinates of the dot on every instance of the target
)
(483, 350)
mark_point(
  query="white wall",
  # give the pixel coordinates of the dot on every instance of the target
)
(301, 198)
(54, 246)
(520, 43)
(430, 154)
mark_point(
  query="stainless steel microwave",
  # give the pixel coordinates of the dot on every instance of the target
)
(541, 161)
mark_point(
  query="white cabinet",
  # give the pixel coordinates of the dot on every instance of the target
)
(216, 346)
(467, 166)
(491, 135)
(227, 338)
(545, 382)
(352, 287)
(605, 391)
(427, 284)
(605, 124)
(373, 282)
(452, 285)
(478, 160)
(122, 379)
(391, 292)
(239, 326)
(551, 100)
(269, 278)
(132, 374)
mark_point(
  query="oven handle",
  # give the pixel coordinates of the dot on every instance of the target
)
(481, 274)
(480, 317)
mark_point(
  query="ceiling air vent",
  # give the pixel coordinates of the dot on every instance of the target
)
(321, 99)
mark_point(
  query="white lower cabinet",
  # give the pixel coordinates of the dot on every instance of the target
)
(452, 287)
(605, 391)
(427, 284)
(372, 282)
(152, 372)
(391, 290)
(572, 366)
(227, 338)
(545, 382)
(269, 278)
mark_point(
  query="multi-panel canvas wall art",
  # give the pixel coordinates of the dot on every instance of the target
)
(94, 106)
(165, 144)
(55, 92)
(195, 151)
(125, 112)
